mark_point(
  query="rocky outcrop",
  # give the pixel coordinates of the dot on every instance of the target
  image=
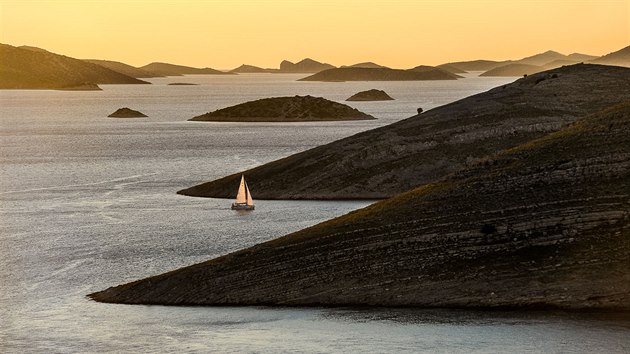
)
(165, 69)
(370, 95)
(285, 109)
(542, 225)
(24, 68)
(127, 113)
(380, 74)
(304, 66)
(422, 149)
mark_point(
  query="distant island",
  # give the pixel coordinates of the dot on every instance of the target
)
(285, 109)
(435, 143)
(370, 95)
(380, 74)
(620, 58)
(250, 69)
(35, 68)
(304, 66)
(543, 225)
(544, 61)
(123, 68)
(127, 113)
(165, 69)
(513, 70)
(367, 64)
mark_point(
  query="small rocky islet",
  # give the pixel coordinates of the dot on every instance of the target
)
(370, 95)
(126, 112)
(285, 109)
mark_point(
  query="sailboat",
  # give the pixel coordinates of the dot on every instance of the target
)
(244, 199)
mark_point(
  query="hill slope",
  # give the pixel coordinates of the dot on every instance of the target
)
(513, 70)
(23, 68)
(123, 68)
(546, 224)
(166, 69)
(389, 160)
(473, 65)
(620, 58)
(380, 74)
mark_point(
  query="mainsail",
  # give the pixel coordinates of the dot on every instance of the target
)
(241, 196)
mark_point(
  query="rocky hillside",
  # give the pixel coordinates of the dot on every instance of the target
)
(24, 68)
(422, 149)
(285, 109)
(545, 224)
(380, 74)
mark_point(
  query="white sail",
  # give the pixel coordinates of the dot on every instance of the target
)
(241, 195)
(250, 201)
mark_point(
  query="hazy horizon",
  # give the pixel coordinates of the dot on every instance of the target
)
(226, 34)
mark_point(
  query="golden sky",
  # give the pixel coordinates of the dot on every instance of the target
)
(399, 33)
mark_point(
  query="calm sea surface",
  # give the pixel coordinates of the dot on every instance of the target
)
(87, 202)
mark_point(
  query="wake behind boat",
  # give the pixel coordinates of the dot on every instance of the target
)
(244, 199)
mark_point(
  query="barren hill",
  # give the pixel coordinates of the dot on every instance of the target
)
(28, 68)
(422, 149)
(545, 224)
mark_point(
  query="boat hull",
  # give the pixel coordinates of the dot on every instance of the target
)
(236, 206)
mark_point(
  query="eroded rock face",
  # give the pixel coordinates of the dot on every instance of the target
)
(389, 160)
(546, 224)
(370, 95)
(127, 113)
(285, 109)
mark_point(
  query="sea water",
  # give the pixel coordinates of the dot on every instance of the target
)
(87, 202)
